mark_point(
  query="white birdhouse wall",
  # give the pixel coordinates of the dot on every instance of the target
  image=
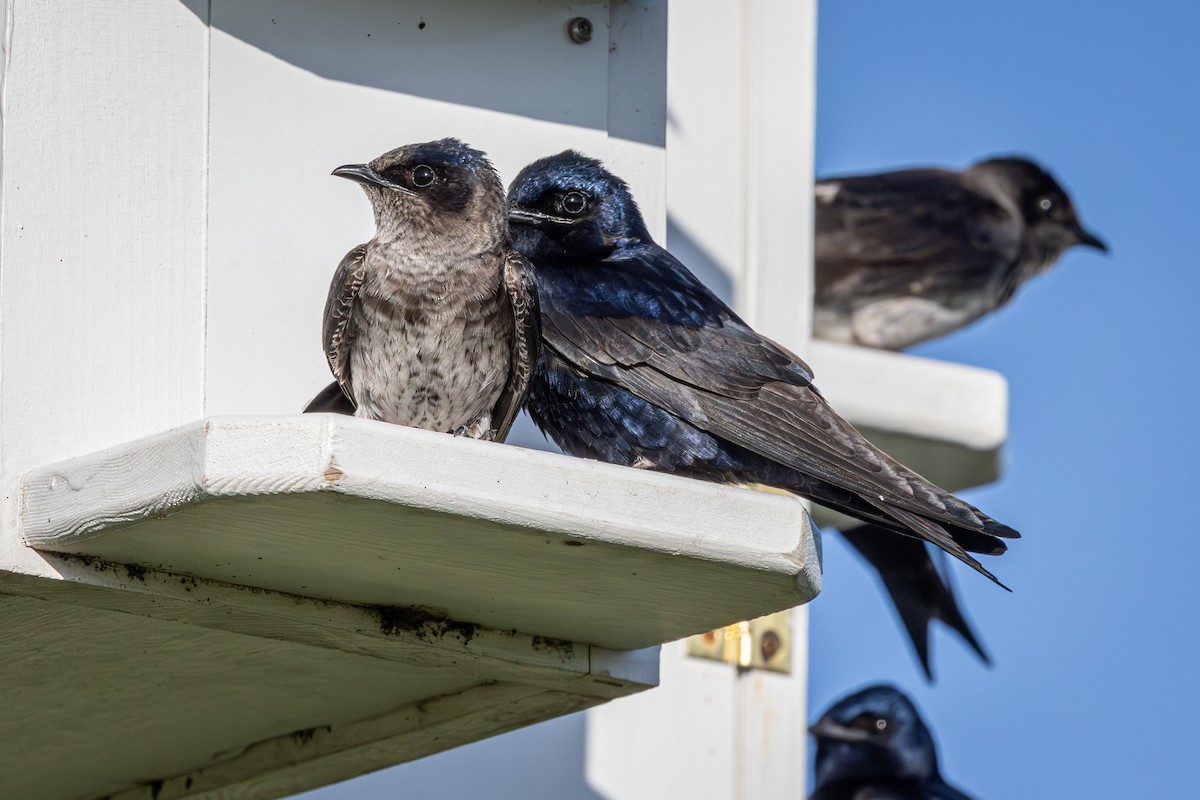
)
(298, 89)
(170, 226)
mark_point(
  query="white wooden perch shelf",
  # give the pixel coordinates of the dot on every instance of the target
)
(263, 604)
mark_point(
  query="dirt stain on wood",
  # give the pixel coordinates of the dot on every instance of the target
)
(426, 624)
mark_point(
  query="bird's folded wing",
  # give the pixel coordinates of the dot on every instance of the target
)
(922, 221)
(722, 377)
(339, 330)
(521, 288)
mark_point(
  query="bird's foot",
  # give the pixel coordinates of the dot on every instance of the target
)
(479, 429)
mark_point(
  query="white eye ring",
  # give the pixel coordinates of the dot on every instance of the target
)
(574, 202)
(423, 175)
(1045, 204)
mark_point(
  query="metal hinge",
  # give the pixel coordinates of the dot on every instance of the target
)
(763, 643)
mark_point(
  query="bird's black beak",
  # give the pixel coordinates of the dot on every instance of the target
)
(535, 218)
(1090, 239)
(361, 173)
(826, 728)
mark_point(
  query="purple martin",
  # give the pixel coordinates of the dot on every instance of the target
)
(433, 323)
(902, 257)
(642, 365)
(873, 745)
(919, 592)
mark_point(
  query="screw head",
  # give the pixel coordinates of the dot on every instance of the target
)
(579, 29)
(770, 645)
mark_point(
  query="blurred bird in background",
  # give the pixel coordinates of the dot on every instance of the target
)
(642, 365)
(873, 745)
(433, 323)
(903, 257)
(907, 256)
(920, 592)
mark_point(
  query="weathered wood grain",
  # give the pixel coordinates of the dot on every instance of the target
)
(230, 686)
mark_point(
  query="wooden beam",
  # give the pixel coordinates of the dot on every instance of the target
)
(392, 634)
(310, 758)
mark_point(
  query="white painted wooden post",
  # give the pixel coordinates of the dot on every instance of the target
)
(104, 224)
(739, 168)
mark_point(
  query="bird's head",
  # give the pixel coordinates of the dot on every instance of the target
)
(570, 206)
(1048, 213)
(873, 732)
(439, 188)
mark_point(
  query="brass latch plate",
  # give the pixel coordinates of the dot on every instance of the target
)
(763, 643)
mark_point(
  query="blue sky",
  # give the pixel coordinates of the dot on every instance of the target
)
(1095, 691)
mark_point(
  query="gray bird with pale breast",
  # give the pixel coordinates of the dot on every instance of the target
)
(434, 322)
(903, 257)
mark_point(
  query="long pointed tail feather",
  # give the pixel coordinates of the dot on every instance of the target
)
(934, 533)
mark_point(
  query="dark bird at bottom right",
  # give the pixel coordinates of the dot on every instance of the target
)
(873, 745)
(904, 257)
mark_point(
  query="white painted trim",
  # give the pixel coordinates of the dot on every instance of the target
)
(666, 556)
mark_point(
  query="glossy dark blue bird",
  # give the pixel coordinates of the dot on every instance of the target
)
(642, 365)
(873, 745)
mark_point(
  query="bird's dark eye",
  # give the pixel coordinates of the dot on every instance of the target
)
(574, 203)
(423, 175)
(1045, 204)
(871, 723)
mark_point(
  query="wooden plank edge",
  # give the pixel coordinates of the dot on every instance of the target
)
(405, 635)
(317, 757)
(164, 470)
(63, 504)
